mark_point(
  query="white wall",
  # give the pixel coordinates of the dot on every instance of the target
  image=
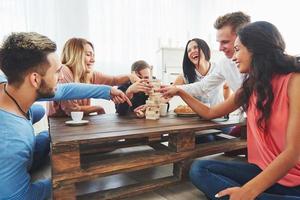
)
(126, 30)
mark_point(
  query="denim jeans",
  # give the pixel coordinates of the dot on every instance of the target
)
(211, 176)
(38, 112)
(41, 150)
(42, 140)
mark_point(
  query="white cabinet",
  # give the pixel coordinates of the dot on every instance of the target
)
(169, 63)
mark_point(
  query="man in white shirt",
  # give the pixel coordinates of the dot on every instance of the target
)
(226, 70)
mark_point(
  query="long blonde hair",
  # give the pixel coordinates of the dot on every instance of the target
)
(73, 56)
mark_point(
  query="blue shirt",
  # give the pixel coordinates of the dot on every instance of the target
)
(17, 142)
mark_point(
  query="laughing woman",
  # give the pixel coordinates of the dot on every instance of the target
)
(270, 95)
(196, 65)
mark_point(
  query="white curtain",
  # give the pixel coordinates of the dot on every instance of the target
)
(123, 31)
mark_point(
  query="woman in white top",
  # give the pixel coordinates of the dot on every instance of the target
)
(196, 66)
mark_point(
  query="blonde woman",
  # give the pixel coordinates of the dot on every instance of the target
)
(78, 59)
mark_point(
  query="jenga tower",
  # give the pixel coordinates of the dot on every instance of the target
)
(152, 110)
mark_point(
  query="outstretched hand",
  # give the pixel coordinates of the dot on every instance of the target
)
(141, 85)
(117, 96)
(168, 91)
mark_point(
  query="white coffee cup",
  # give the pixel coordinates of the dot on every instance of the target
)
(76, 116)
(163, 109)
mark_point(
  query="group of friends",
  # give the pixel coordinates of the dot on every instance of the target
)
(256, 75)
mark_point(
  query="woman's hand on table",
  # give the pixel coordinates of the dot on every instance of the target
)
(117, 96)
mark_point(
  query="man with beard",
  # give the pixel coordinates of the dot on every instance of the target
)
(31, 66)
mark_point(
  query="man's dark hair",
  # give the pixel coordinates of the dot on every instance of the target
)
(236, 20)
(139, 65)
(22, 53)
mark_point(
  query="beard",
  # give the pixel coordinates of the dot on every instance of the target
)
(45, 91)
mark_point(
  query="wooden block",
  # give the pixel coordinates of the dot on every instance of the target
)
(183, 141)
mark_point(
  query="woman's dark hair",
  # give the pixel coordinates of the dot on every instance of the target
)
(188, 67)
(267, 46)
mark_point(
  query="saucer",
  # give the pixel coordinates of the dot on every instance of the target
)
(75, 123)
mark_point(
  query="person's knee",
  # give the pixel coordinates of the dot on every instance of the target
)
(43, 141)
(197, 168)
(38, 112)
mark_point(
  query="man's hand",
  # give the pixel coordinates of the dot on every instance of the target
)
(117, 96)
(141, 85)
(168, 91)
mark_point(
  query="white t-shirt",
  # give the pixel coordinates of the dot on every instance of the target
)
(214, 96)
(225, 70)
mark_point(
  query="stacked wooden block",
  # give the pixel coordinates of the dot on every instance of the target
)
(153, 102)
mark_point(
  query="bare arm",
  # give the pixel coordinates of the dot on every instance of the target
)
(179, 80)
(286, 160)
(226, 91)
(90, 109)
(204, 111)
(121, 79)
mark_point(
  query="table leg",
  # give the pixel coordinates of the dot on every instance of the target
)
(181, 142)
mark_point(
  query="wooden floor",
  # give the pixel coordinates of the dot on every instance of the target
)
(184, 190)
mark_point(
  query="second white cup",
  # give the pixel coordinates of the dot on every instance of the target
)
(163, 109)
(76, 116)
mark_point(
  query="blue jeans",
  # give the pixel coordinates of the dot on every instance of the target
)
(41, 150)
(38, 112)
(42, 140)
(211, 176)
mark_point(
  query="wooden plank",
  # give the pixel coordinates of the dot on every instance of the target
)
(119, 128)
(130, 190)
(145, 160)
(219, 147)
(66, 192)
(208, 131)
(109, 146)
(65, 161)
